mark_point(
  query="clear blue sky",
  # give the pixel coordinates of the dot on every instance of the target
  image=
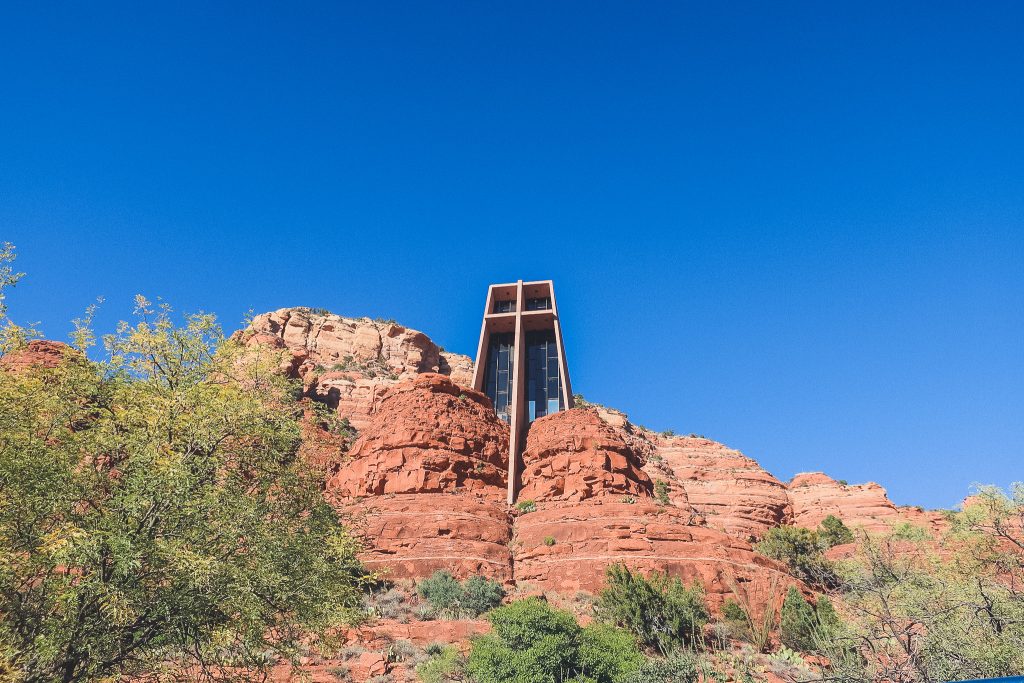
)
(795, 228)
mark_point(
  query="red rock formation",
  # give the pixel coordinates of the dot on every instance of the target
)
(816, 495)
(413, 535)
(567, 547)
(37, 353)
(732, 492)
(596, 509)
(434, 464)
(574, 455)
(350, 362)
(428, 436)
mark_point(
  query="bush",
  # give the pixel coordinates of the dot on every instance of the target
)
(661, 611)
(736, 620)
(526, 506)
(450, 599)
(443, 592)
(678, 668)
(804, 626)
(802, 550)
(480, 595)
(661, 491)
(531, 642)
(796, 625)
(444, 665)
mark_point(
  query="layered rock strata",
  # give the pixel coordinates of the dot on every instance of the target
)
(349, 363)
(816, 495)
(732, 492)
(425, 483)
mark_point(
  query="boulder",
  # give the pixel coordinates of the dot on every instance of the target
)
(575, 455)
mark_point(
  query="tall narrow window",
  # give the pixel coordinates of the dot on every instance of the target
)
(498, 373)
(543, 383)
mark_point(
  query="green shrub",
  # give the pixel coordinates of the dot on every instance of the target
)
(736, 619)
(660, 610)
(531, 642)
(833, 532)
(549, 540)
(480, 595)
(681, 667)
(661, 491)
(442, 591)
(803, 550)
(803, 626)
(796, 626)
(608, 653)
(444, 665)
(526, 506)
(450, 599)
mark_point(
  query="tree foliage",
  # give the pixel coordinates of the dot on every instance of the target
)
(154, 515)
(660, 610)
(833, 532)
(531, 642)
(803, 550)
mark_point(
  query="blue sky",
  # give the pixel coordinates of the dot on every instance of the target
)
(797, 228)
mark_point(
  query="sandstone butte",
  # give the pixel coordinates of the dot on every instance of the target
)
(424, 483)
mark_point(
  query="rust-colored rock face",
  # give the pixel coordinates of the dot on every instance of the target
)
(816, 495)
(574, 455)
(732, 492)
(428, 436)
(567, 548)
(425, 483)
(37, 353)
(413, 535)
(349, 363)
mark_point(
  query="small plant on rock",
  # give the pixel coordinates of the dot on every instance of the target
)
(661, 489)
(526, 506)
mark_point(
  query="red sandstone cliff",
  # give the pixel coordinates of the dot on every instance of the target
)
(348, 363)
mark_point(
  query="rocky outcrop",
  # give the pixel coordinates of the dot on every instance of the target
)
(425, 483)
(349, 363)
(40, 353)
(574, 455)
(568, 547)
(816, 495)
(411, 536)
(733, 492)
(596, 507)
(428, 436)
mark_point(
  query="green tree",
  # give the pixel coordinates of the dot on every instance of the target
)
(154, 513)
(833, 532)
(797, 622)
(531, 642)
(803, 551)
(660, 610)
